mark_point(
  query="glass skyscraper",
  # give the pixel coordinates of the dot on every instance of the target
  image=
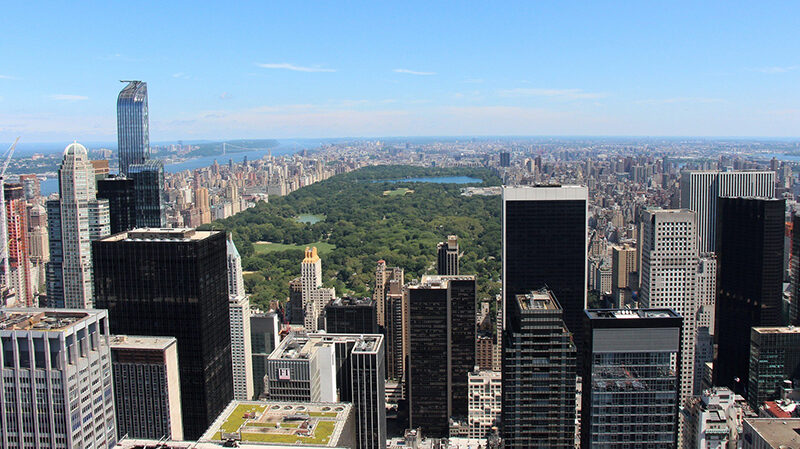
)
(148, 181)
(133, 133)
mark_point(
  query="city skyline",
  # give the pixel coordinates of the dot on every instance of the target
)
(330, 71)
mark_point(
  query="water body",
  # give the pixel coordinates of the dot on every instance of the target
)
(309, 218)
(437, 180)
(781, 157)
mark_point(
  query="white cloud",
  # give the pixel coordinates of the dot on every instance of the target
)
(571, 94)
(413, 72)
(473, 80)
(776, 69)
(8, 77)
(68, 97)
(292, 67)
(682, 100)
(224, 96)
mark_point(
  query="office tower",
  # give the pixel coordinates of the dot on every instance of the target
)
(669, 279)
(119, 192)
(74, 221)
(485, 402)
(38, 246)
(147, 391)
(264, 337)
(133, 125)
(700, 191)
(202, 205)
(447, 256)
(334, 368)
(173, 282)
(774, 357)
(749, 281)
(351, 316)
(57, 390)
(294, 308)
(239, 304)
(714, 420)
(148, 183)
(18, 277)
(706, 300)
(396, 332)
(441, 350)
(544, 244)
(770, 433)
(388, 281)
(539, 379)
(31, 186)
(630, 391)
(505, 159)
(315, 297)
(282, 425)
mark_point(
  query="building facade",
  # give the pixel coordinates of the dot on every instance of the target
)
(485, 402)
(314, 296)
(148, 187)
(264, 337)
(19, 276)
(133, 125)
(119, 192)
(241, 346)
(351, 316)
(774, 358)
(447, 256)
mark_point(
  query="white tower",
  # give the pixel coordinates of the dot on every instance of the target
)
(241, 347)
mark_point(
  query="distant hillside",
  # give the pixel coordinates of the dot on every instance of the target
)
(233, 146)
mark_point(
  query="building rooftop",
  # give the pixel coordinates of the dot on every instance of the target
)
(538, 300)
(41, 319)
(614, 314)
(777, 330)
(350, 301)
(777, 432)
(440, 280)
(141, 342)
(159, 235)
(302, 347)
(283, 423)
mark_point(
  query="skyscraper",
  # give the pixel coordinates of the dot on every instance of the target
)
(388, 281)
(264, 337)
(74, 221)
(57, 390)
(148, 183)
(539, 388)
(173, 282)
(630, 391)
(133, 125)
(669, 279)
(147, 387)
(19, 264)
(441, 322)
(749, 281)
(119, 192)
(701, 189)
(447, 256)
(315, 297)
(239, 305)
(544, 245)
(774, 358)
(706, 288)
(351, 316)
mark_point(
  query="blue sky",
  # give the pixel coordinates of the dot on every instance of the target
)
(332, 69)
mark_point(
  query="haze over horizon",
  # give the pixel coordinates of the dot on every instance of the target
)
(324, 70)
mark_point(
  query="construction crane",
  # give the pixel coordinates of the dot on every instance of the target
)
(6, 158)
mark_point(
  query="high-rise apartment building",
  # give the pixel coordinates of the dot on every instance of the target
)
(774, 358)
(264, 337)
(19, 276)
(146, 387)
(447, 256)
(57, 390)
(173, 282)
(539, 375)
(624, 261)
(334, 368)
(351, 316)
(241, 348)
(749, 281)
(202, 204)
(76, 219)
(545, 245)
(505, 159)
(148, 185)
(441, 350)
(388, 281)
(669, 279)
(485, 402)
(629, 396)
(314, 296)
(119, 192)
(706, 288)
(700, 191)
(133, 125)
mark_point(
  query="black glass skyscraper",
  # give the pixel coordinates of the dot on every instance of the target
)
(173, 282)
(544, 245)
(351, 316)
(121, 202)
(148, 182)
(749, 281)
(133, 133)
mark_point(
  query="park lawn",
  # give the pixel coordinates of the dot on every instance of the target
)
(264, 247)
(397, 192)
(235, 419)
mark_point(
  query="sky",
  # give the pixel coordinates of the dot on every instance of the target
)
(227, 70)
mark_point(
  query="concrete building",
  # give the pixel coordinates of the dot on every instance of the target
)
(701, 189)
(56, 383)
(147, 390)
(669, 279)
(447, 256)
(264, 337)
(539, 375)
(714, 420)
(334, 368)
(485, 402)
(706, 287)
(315, 297)
(241, 347)
(774, 358)
(771, 433)
(629, 396)
(19, 276)
(388, 282)
(74, 220)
